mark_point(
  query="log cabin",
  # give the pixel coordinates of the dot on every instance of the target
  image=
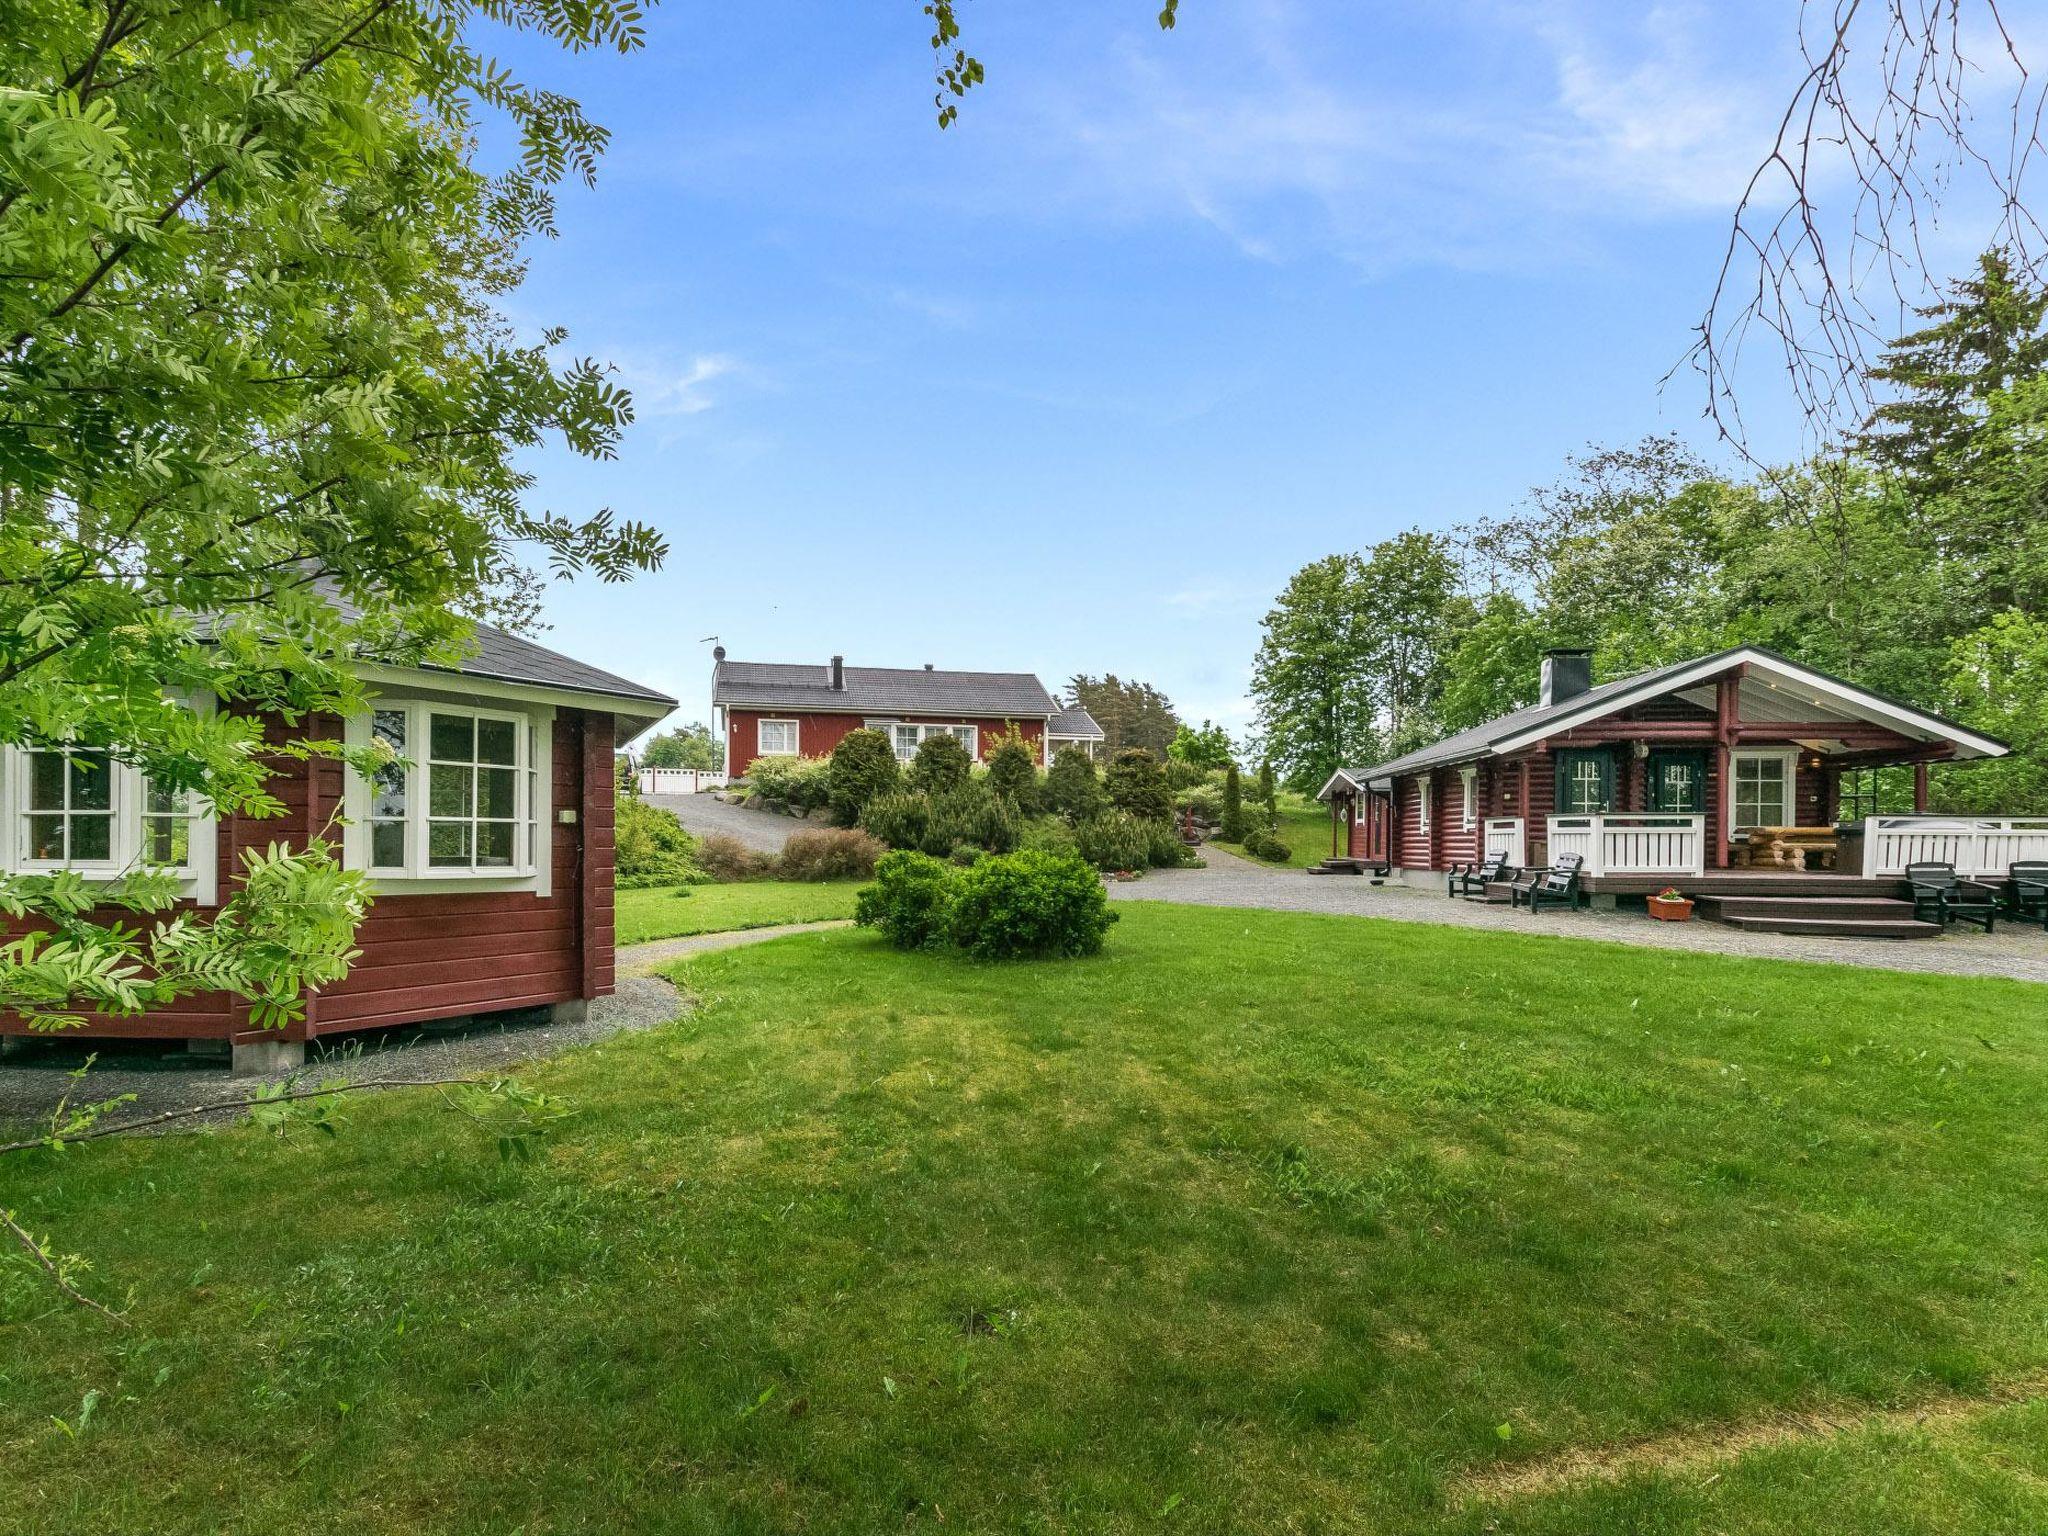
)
(1743, 779)
(489, 846)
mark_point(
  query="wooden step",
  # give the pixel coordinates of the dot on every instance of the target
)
(1718, 906)
(1837, 927)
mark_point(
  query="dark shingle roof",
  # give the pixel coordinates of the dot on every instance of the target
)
(1074, 722)
(873, 690)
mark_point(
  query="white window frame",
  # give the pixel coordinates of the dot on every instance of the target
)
(1789, 756)
(796, 738)
(197, 877)
(969, 735)
(533, 808)
(1467, 775)
(1422, 791)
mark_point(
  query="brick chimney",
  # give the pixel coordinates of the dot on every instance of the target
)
(839, 674)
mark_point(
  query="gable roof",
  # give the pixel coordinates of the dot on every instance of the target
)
(1077, 723)
(1525, 727)
(881, 690)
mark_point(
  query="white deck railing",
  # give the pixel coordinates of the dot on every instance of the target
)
(678, 781)
(1503, 835)
(1633, 843)
(1978, 846)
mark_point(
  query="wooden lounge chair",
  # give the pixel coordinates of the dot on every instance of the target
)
(1557, 886)
(1473, 879)
(2027, 891)
(1940, 897)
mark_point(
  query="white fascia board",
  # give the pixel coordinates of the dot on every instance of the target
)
(1324, 792)
(1909, 721)
(469, 686)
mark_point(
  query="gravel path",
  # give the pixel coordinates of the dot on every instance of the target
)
(2016, 952)
(163, 1076)
(705, 814)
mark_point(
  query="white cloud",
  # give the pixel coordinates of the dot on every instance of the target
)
(676, 390)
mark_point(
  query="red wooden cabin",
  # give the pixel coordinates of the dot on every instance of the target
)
(776, 709)
(1706, 775)
(490, 848)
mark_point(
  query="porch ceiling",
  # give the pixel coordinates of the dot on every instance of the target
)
(1760, 701)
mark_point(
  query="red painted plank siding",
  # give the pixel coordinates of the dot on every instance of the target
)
(818, 734)
(441, 954)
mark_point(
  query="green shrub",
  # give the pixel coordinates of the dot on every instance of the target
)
(1181, 775)
(1233, 826)
(1013, 773)
(1204, 799)
(726, 858)
(1163, 846)
(1073, 789)
(942, 763)
(898, 819)
(1136, 786)
(843, 853)
(908, 901)
(863, 766)
(653, 848)
(1028, 906)
(1261, 844)
(969, 814)
(803, 783)
(967, 855)
(1048, 834)
(1114, 840)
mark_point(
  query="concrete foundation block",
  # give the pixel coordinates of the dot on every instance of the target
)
(1602, 903)
(266, 1058)
(574, 1011)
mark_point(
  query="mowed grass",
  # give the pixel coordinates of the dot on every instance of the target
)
(689, 909)
(1304, 826)
(1259, 1222)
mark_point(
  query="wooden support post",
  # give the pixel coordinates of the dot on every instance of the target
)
(1727, 706)
(1920, 789)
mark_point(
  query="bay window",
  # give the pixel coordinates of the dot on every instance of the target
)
(461, 797)
(81, 808)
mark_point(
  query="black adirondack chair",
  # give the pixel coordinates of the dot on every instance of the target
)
(1940, 896)
(2027, 890)
(1473, 879)
(1557, 886)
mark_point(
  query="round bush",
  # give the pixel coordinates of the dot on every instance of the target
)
(652, 847)
(942, 763)
(863, 766)
(1013, 773)
(967, 855)
(1072, 788)
(1114, 841)
(909, 900)
(1029, 906)
(898, 819)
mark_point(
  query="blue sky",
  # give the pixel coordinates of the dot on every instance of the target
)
(1076, 384)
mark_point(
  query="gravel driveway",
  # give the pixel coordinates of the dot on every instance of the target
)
(704, 814)
(2015, 952)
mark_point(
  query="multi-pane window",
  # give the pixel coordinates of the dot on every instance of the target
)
(389, 792)
(777, 739)
(166, 826)
(473, 775)
(1763, 790)
(461, 792)
(1469, 814)
(908, 738)
(1423, 798)
(70, 806)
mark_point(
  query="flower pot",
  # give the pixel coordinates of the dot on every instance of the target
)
(1671, 911)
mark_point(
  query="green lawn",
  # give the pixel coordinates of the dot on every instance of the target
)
(1304, 828)
(688, 909)
(1257, 1223)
